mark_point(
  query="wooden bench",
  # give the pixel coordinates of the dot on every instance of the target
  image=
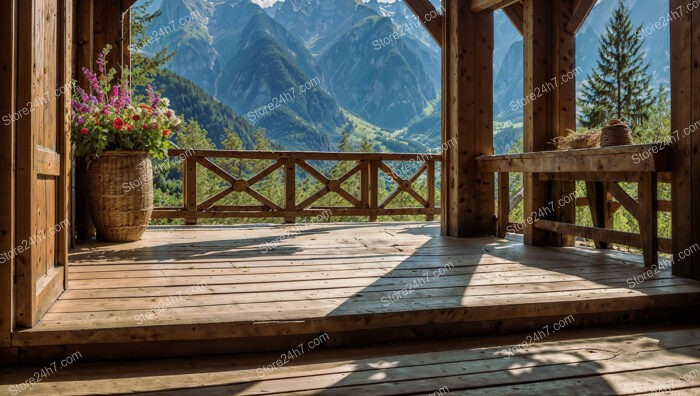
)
(602, 169)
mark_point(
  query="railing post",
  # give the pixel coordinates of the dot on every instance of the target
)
(431, 188)
(503, 203)
(373, 187)
(289, 188)
(190, 190)
(364, 184)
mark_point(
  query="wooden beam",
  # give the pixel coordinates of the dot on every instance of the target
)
(126, 4)
(685, 111)
(596, 234)
(623, 198)
(429, 17)
(8, 102)
(630, 177)
(482, 5)
(514, 12)
(469, 196)
(549, 53)
(582, 9)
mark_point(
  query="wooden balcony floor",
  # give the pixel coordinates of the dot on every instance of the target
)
(637, 361)
(334, 278)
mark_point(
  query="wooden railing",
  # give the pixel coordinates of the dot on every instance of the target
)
(602, 169)
(363, 202)
(621, 200)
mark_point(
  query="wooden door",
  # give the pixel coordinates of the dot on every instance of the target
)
(42, 155)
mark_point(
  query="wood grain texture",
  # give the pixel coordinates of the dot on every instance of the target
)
(582, 362)
(469, 206)
(296, 280)
(549, 58)
(361, 200)
(481, 5)
(606, 159)
(8, 103)
(42, 155)
(582, 9)
(514, 12)
(429, 17)
(685, 111)
(26, 225)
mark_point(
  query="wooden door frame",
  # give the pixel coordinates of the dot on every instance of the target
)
(8, 38)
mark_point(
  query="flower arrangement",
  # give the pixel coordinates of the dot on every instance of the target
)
(106, 119)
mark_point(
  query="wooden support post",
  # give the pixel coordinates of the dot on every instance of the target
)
(648, 220)
(468, 207)
(190, 189)
(597, 194)
(431, 188)
(685, 113)
(289, 188)
(503, 203)
(373, 187)
(8, 102)
(550, 67)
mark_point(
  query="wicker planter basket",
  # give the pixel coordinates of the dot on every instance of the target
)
(120, 195)
(616, 133)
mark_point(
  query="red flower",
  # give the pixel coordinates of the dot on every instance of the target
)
(84, 131)
(166, 132)
(146, 126)
(129, 128)
(135, 117)
(154, 125)
(118, 123)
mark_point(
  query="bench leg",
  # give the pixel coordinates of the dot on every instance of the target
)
(648, 221)
(597, 193)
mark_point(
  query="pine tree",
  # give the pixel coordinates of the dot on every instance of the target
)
(367, 146)
(233, 142)
(619, 86)
(344, 145)
(658, 126)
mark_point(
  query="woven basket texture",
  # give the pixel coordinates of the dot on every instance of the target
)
(616, 133)
(120, 195)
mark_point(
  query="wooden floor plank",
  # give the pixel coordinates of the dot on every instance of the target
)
(584, 362)
(332, 277)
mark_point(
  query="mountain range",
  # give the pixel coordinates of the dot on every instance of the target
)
(306, 70)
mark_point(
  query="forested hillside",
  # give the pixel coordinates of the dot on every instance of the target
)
(190, 101)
